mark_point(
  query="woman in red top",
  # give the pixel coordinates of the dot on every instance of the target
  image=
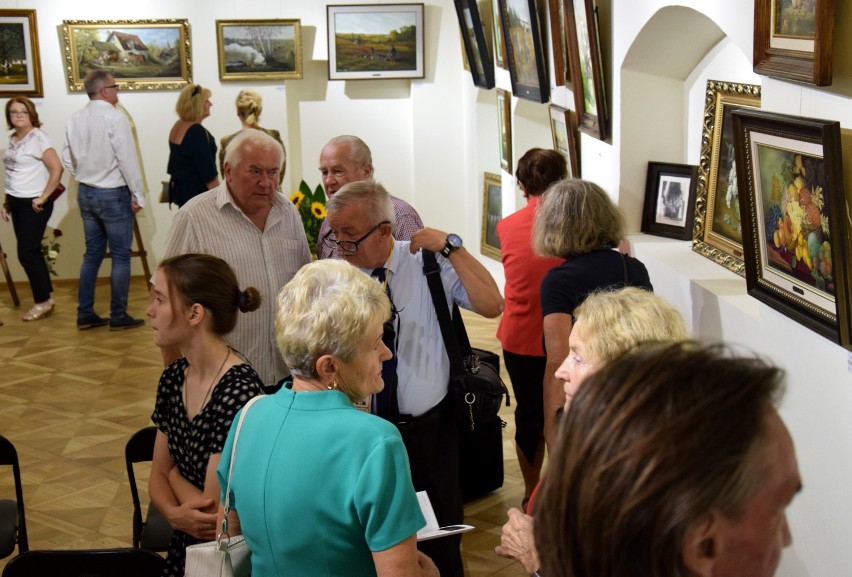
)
(520, 330)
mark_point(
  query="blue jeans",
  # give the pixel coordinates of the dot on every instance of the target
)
(107, 221)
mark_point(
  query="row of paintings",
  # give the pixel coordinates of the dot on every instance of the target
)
(365, 42)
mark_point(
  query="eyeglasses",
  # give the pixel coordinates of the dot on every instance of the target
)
(19, 113)
(351, 245)
(110, 86)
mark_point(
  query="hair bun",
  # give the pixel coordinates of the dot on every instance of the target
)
(249, 300)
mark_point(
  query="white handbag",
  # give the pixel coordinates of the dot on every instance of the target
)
(226, 556)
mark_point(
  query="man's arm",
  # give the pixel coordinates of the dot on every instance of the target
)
(65, 156)
(477, 282)
(124, 146)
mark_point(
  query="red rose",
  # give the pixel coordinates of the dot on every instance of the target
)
(57, 233)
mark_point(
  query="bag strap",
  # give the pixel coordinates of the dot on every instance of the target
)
(454, 339)
(231, 464)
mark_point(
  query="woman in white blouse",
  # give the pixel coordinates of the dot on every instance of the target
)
(33, 171)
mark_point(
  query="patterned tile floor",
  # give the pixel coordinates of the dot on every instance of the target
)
(70, 399)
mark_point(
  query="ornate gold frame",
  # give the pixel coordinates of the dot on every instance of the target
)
(486, 248)
(122, 67)
(248, 74)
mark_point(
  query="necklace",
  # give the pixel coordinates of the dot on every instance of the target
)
(209, 389)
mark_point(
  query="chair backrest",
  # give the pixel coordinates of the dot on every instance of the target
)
(86, 563)
(139, 448)
(14, 517)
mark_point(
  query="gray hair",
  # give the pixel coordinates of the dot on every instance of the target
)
(254, 138)
(359, 152)
(368, 194)
(94, 81)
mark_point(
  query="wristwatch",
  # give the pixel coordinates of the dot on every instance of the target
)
(454, 242)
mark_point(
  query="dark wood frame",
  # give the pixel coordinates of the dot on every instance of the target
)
(475, 43)
(559, 40)
(486, 248)
(808, 65)
(583, 31)
(504, 128)
(720, 100)
(569, 151)
(651, 224)
(807, 153)
(419, 70)
(249, 73)
(499, 37)
(539, 89)
(33, 87)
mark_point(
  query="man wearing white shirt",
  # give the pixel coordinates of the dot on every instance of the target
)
(99, 151)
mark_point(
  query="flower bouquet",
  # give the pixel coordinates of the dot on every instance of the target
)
(311, 206)
(50, 250)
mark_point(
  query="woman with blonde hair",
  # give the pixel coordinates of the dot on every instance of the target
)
(319, 487)
(192, 149)
(249, 106)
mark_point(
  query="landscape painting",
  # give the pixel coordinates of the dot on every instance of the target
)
(140, 54)
(375, 41)
(795, 19)
(20, 69)
(259, 49)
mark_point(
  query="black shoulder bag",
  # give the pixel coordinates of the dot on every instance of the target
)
(475, 391)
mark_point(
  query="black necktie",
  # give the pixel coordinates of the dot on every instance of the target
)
(385, 402)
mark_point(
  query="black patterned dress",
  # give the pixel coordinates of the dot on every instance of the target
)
(192, 442)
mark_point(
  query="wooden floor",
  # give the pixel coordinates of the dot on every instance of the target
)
(70, 399)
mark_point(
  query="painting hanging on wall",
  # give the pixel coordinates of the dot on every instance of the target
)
(504, 128)
(559, 40)
(492, 213)
(375, 41)
(564, 138)
(20, 65)
(793, 39)
(670, 200)
(140, 54)
(584, 50)
(499, 38)
(527, 68)
(259, 49)
(795, 219)
(717, 231)
(475, 43)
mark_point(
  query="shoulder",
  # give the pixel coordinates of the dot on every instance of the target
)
(402, 207)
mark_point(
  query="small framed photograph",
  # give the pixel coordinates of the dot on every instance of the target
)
(527, 64)
(581, 24)
(20, 69)
(375, 41)
(259, 49)
(795, 218)
(670, 200)
(717, 232)
(475, 43)
(564, 138)
(140, 54)
(504, 128)
(492, 212)
(793, 40)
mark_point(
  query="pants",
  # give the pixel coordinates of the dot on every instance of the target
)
(433, 453)
(527, 376)
(107, 221)
(29, 227)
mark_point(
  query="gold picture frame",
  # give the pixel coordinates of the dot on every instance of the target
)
(717, 230)
(504, 128)
(492, 213)
(259, 49)
(140, 54)
(20, 70)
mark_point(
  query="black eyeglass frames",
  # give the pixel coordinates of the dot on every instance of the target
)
(351, 245)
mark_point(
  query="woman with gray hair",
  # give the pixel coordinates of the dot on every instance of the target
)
(320, 487)
(576, 221)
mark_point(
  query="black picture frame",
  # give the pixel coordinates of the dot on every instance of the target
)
(670, 200)
(475, 43)
(795, 228)
(519, 19)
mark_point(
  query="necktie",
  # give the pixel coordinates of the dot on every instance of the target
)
(385, 402)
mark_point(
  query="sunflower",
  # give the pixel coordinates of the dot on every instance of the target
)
(297, 198)
(318, 210)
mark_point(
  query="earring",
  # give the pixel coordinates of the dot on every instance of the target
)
(333, 386)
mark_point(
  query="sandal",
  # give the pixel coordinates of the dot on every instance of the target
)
(38, 311)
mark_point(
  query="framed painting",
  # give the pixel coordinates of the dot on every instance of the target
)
(259, 49)
(564, 139)
(717, 230)
(492, 212)
(793, 40)
(475, 44)
(140, 54)
(20, 65)
(504, 128)
(559, 40)
(795, 219)
(670, 200)
(586, 64)
(499, 38)
(375, 41)
(527, 69)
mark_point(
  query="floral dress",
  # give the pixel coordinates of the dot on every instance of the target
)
(192, 442)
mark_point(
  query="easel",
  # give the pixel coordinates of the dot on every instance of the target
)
(8, 276)
(140, 251)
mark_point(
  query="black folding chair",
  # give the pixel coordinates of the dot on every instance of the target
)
(13, 524)
(154, 533)
(86, 563)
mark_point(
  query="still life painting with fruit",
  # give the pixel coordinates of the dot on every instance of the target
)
(796, 216)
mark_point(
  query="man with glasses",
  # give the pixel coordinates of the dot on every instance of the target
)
(346, 159)
(100, 152)
(362, 219)
(250, 224)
